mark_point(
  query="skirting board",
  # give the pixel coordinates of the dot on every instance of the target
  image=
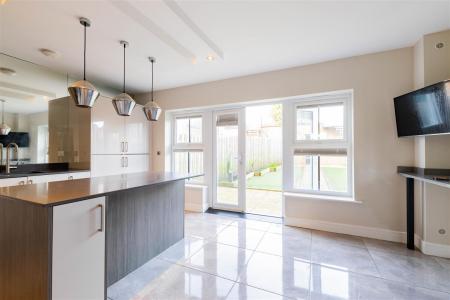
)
(370, 232)
(432, 248)
(363, 231)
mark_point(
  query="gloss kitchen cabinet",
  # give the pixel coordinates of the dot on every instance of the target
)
(103, 165)
(114, 134)
(78, 264)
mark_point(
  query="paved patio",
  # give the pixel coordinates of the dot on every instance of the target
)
(262, 202)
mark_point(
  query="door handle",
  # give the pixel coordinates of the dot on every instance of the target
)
(122, 162)
(126, 147)
(122, 146)
(126, 160)
(101, 217)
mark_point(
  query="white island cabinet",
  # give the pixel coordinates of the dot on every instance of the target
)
(78, 263)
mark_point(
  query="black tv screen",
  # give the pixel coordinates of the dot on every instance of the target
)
(22, 139)
(425, 111)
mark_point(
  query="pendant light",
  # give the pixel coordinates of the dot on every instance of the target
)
(83, 92)
(123, 103)
(152, 110)
(4, 129)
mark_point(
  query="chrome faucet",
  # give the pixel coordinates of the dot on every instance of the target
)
(8, 157)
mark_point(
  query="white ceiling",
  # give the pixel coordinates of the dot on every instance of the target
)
(246, 37)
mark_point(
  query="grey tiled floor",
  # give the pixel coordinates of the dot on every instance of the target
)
(228, 258)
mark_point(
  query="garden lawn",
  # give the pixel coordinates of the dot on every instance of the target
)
(269, 181)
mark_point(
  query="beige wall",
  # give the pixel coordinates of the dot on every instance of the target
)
(432, 213)
(376, 80)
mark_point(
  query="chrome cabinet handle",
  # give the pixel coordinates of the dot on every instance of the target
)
(70, 177)
(122, 164)
(22, 182)
(126, 147)
(122, 146)
(101, 218)
(30, 181)
(126, 160)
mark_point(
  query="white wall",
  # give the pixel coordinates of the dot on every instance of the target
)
(376, 79)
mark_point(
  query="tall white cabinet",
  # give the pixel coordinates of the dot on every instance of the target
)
(119, 145)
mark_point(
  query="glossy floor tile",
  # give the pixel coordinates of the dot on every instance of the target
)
(245, 292)
(423, 272)
(221, 260)
(223, 257)
(240, 236)
(349, 258)
(331, 283)
(180, 282)
(183, 249)
(286, 245)
(285, 276)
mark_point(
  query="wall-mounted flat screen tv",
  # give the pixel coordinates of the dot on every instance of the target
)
(22, 139)
(425, 111)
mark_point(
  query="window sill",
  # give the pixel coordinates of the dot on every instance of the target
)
(322, 197)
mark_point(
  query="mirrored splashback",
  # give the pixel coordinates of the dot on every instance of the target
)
(26, 89)
(44, 121)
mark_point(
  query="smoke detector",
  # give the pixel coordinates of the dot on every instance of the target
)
(49, 53)
(7, 71)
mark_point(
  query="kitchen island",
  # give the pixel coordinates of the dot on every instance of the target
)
(72, 239)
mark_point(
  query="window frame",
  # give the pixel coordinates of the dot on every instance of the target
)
(188, 147)
(327, 144)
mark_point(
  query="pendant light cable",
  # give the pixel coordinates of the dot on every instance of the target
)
(152, 77)
(124, 46)
(84, 58)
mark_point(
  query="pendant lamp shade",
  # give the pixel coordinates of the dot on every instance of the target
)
(83, 92)
(123, 103)
(152, 110)
(4, 128)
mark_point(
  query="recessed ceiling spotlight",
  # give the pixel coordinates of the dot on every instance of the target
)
(49, 53)
(210, 58)
(7, 71)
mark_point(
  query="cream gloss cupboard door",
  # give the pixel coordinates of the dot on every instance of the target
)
(108, 128)
(137, 163)
(78, 258)
(137, 132)
(104, 165)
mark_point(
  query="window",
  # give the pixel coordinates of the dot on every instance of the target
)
(322, 146)
(187, 146)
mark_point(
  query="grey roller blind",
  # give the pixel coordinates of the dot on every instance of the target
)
(334, 152)
(227, 120)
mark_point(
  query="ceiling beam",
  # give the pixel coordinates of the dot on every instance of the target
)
(176, 9)
(138, 17)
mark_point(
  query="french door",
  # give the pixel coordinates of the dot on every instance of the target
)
(229, 159)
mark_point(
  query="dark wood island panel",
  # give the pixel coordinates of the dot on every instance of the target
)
(140, 224)
(25, 250)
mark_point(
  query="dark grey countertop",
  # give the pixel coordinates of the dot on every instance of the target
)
(38, 173)
(60, 192)
(425, 175)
